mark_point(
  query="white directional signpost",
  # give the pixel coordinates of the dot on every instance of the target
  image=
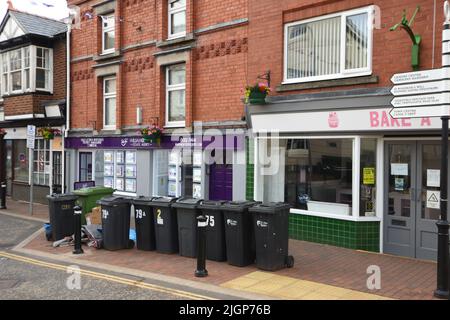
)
(31, 137)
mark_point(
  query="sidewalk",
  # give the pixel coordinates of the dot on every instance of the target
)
(21, 208)
(320, 271)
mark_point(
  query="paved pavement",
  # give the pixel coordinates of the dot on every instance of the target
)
(14, 230)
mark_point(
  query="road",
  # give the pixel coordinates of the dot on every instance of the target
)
(25, 277)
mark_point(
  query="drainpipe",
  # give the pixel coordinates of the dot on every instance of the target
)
(68, 80)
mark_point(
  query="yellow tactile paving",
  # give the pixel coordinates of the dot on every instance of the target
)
(291, 288)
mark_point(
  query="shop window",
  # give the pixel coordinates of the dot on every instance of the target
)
(41, 162)
(119, 170)
(175, 95)
(160, 172)
(109, 103)
(26, 70)
(20, 162)
(85, 166)
(177, 18)
(108, 34)
(368, 177)
(329, 47)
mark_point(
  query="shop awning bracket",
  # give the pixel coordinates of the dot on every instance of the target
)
(415, 38)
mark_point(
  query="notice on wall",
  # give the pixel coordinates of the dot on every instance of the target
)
(433, 199)
(399, 169)
(433, 178)
(369, 176)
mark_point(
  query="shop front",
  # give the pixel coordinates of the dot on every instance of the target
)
(354, 176)
(195, 166)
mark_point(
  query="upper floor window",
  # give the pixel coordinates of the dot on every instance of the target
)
(177, 18)
(108, 34)
(329, 47)
(175, 95)
(109, 103)
(26, 70)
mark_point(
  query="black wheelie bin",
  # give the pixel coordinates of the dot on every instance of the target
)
(61, 215)
(240, 241)
(271, 225)
(187, 213)
(166, 226)
(215, 230)
(144, 221)
(116, 223)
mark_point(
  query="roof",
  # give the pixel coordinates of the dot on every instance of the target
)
(32, 24)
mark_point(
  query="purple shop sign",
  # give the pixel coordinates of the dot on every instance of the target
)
(230, 142)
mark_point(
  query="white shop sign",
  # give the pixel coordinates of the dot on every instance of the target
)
(355, 120)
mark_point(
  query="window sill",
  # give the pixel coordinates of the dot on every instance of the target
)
(15, 94)
(175, 125)
(328, 83)
(189, 37)
(333, 216)
(107, 56)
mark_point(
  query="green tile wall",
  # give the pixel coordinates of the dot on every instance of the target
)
(342, 233)
(250, 169)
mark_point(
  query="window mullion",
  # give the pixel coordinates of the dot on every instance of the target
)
(343, 43)
(33, 68)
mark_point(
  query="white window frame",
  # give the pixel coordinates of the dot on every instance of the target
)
(108, 29)
(171, 12)
(106, 96)
(47, 162)
(343, 72)
(175, 87)
(7, 89)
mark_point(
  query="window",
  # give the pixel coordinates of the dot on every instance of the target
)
(2, 114)
(85, 166)
(108, 34)
(20, 162)
(27, 69)
(368, 166)
(175, 95)
(41, 162)
(160, 172)
(177, 18)
(119, 170)
(109, 103)
(329, 47)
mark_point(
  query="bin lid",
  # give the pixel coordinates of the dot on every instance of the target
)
(142, 200)
(238, 206)
(211, 204)
(187, 203)
(113, 200)
(163, 201)
(270, 207)
(94, 191)
(61, 197)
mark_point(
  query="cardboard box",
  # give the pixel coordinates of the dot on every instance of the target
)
(94, 217)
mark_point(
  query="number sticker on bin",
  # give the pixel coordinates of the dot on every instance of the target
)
(262, 224)
(140, 214)
(159, 220)
(231, 222)
(105, 214)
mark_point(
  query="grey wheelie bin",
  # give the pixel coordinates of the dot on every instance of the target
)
(215, 230)
(61, 215)
(187, 213)
(144, 221)
(116, 223)
(166, 226)
(271, 225)
(240, 242)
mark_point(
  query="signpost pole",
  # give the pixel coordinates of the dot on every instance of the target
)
(31, 151)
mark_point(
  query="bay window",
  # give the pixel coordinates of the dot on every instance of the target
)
(109, 103)
(26, 70)
(177, 18)
(329, 47)
(108, 34)
(175, 95)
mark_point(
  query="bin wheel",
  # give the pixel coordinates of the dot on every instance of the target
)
(289, 261)
(130, 244)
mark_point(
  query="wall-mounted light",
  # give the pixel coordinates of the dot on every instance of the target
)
(138, 115)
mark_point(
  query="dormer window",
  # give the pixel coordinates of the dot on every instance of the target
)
(108, 34)
(27, 69)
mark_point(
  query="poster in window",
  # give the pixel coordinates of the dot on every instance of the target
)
(172, 189)
(120, 157)
(197, 190)
(130, 171)
(108, 182)
(173, 173)
(130, 157)
(120, 185)
(108, 157)
(130, 185)
(109, 170)
(197, 158)
(399, 184)
(120, 171)
(173, 157)
(197, 175)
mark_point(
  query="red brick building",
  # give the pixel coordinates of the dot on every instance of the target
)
(355, 176)
(33, 92)
(173, 64)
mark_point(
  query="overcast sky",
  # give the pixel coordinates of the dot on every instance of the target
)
(56, 9)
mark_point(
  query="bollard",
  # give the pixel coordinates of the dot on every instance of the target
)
(3, 195)
(201, 247)
(77, 232)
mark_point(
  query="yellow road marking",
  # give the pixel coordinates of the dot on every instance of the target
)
(111, 278)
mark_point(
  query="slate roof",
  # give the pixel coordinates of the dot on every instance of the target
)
(37, 25)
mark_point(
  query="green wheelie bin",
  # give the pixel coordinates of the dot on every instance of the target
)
(88, 197)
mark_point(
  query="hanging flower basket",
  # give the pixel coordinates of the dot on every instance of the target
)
(152, 134)
(48, 133)
(2, 132)
(256, 94)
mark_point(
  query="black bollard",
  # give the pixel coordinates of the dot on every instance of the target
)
(2, 195)
(77, 232)
(201, 247)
